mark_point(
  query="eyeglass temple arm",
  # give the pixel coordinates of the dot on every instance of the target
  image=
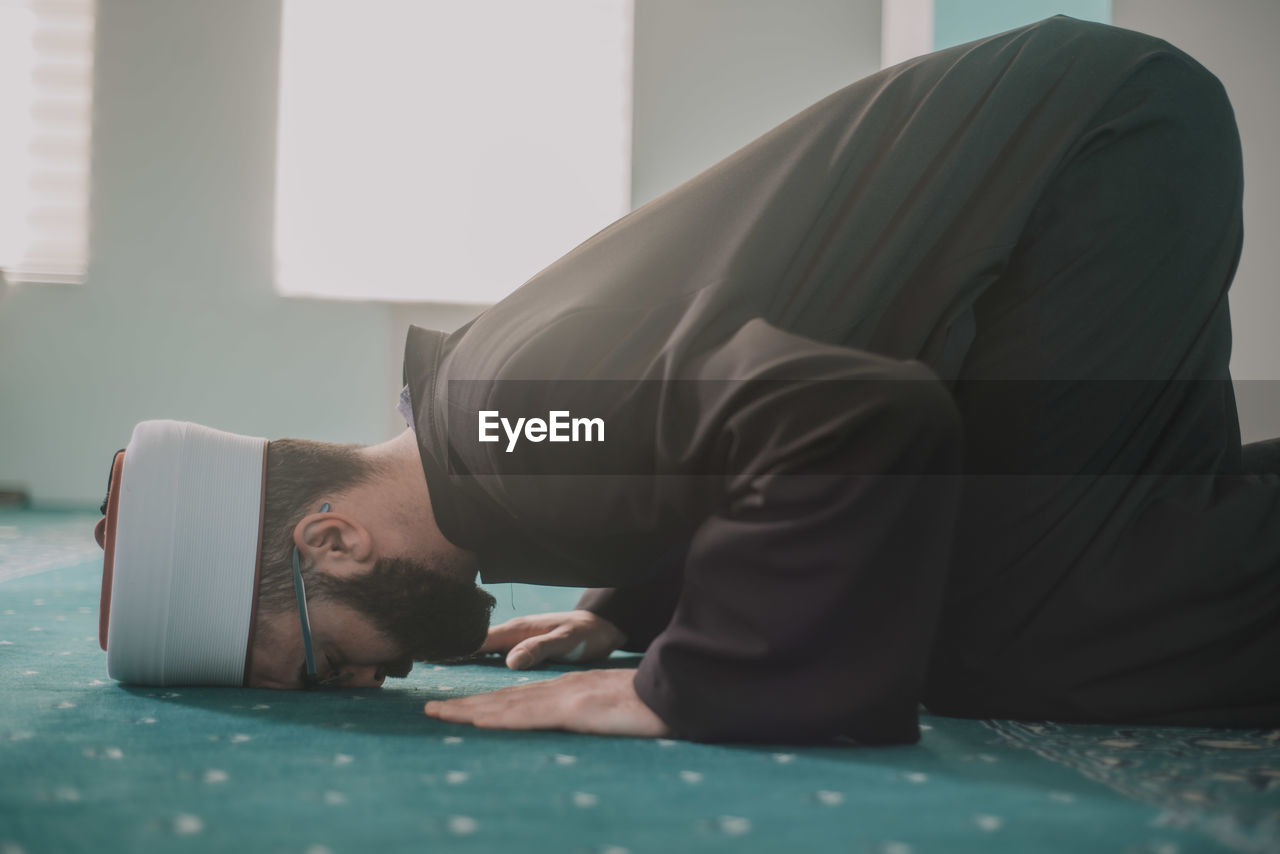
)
(300, 588)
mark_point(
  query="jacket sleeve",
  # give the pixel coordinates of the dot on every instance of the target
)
(810, 593)
(641, 611)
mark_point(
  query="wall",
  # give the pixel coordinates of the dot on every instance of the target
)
(959, 21)
(712, 75)
(178, 318)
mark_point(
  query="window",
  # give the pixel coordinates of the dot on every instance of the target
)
(447, 151)
(46, 93)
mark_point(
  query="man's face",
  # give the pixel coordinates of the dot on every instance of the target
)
(434, 611)
(344, 642)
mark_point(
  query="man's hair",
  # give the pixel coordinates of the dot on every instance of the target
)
(423, 608)
(300, 475)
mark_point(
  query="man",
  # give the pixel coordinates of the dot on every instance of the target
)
(921, 396)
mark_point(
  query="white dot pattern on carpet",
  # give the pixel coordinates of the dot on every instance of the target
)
(1228, 744)
(463, 824)
(186, 824)
(802, 785)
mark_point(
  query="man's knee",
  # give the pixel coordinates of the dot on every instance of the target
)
(1201, 138)
(1157, 62)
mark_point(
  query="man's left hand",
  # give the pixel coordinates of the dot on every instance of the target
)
(596, 702)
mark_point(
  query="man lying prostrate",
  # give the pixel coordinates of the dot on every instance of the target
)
(184, 511)
(922, 396)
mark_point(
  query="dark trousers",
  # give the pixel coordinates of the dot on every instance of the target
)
(1117, 553)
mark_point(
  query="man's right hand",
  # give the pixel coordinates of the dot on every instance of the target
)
(566, 636)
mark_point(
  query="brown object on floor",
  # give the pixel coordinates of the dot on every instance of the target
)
(14, 497)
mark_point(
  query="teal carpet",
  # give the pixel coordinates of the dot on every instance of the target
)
(87, 765)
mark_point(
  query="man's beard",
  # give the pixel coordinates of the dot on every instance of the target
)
(424, 608)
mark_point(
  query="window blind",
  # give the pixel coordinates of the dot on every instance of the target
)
(46, 96)
(447, 150)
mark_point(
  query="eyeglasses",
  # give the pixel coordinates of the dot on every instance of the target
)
(310, 679)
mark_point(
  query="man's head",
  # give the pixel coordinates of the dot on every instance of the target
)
(383, 586)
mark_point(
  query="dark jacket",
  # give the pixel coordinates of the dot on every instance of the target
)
(770, 345)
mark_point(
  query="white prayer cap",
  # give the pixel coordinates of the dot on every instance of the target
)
(181, 536)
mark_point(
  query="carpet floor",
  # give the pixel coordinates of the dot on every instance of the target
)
(89, 765)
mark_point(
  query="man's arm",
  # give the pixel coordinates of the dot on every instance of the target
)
(811, 595)
(811, 590)
(641, 611)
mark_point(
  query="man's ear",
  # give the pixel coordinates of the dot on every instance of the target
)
(334, 542)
